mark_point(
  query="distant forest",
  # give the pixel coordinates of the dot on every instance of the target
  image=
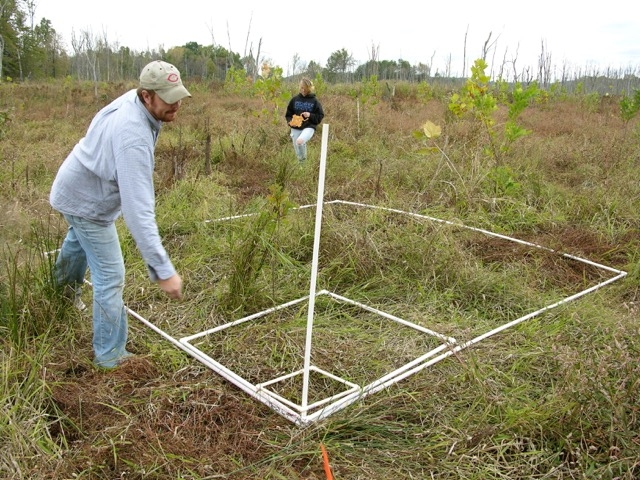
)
(31, 52)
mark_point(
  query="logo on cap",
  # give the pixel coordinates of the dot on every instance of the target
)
(173, 78)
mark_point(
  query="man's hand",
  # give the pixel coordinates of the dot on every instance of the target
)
(172, 286)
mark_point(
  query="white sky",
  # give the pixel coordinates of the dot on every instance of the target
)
(577, 35)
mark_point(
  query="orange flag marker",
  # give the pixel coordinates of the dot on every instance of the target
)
(325, 462)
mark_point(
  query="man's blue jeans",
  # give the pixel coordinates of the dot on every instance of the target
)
(98, 247)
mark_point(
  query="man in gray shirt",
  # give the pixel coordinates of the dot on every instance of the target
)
(109, 173)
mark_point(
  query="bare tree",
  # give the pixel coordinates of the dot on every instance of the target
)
(251, 63)
(374, 55)
(85, 46)
(447, 68)
(296, 64)
(78, 47)
(105, 49)
(544, 66)
(487, 46)
(246, 42)
(213, 40)
(493, 58)
(514, 59)
(502, 74)
(564, 76)
(229, 61)
(258, 59)
(31, 5)
(433, 55)
(464, 52)
(214, 49)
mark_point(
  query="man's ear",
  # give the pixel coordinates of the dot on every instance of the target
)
(146, 97)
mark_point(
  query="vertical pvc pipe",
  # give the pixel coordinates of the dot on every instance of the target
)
(314, 269)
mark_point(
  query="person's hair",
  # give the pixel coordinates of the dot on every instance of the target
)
(307, 84)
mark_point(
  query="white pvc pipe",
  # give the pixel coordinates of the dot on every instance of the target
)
(244, 319)
(314, 265)
(394, 318)
(286, 408)
(485, 232)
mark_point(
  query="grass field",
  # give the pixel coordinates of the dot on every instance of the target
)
(553, 397)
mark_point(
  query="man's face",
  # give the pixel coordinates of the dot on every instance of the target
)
(162, 111)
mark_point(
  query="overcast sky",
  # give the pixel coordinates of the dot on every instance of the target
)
(574, 34)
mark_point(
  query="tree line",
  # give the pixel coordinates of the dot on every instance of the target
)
(30, 51)
(36, 51)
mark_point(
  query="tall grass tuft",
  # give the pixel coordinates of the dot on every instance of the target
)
(30, 306)
(256, 245)
(32, 319)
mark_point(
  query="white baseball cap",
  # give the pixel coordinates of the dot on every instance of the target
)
(164, 79)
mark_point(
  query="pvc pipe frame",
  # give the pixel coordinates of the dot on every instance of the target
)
(306, 413)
